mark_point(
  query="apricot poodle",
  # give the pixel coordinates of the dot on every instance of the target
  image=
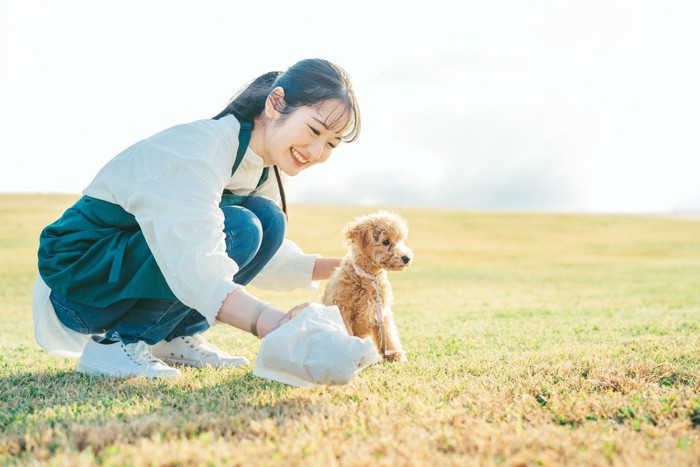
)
(360, 287)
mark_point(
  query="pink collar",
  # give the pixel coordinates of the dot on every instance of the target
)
(363, 274)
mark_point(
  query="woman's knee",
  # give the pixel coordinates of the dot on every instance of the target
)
(271, 217)
(244, 233)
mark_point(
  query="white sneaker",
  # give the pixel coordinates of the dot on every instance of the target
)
(195, 351)
(119, 359)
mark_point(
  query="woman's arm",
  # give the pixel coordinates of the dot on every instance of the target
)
(172, 183)
(243, 311)
(324, 267)
(248, 313)
(291, 269)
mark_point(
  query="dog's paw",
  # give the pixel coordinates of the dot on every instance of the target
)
(395, 356)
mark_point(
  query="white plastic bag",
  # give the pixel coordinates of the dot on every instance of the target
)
(312, 349)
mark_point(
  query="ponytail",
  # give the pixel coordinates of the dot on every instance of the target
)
(249, 103)
(308, 82)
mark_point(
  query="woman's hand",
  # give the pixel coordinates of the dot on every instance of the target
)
(324, 267)
(291, 314)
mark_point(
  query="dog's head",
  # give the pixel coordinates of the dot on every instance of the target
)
(379, 240)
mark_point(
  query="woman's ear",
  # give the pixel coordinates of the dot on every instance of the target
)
(274, 103)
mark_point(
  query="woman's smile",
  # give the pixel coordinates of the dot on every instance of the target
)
(298, 158)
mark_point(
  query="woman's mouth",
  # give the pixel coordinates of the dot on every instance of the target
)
(298, 158)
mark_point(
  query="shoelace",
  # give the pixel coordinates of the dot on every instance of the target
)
(201, 345)
(139, 352)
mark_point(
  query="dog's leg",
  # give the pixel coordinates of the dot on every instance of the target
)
(348, 323)
(329, 298)
(394, 349)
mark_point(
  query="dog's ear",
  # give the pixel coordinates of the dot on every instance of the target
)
(359, 232)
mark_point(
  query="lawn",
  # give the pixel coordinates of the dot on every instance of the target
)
(533, 339)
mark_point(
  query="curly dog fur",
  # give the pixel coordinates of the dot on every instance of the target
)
(375, 245)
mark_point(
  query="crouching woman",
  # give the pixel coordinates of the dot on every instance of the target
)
(170, 231)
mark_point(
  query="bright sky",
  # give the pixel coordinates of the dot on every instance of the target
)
(585, 105)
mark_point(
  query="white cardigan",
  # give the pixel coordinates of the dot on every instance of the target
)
(172, 183)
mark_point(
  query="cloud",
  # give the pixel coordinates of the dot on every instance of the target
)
(691, 203)
(531, 184)
(505, 160)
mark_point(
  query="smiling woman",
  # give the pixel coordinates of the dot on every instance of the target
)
(171, 230)
(304, 139)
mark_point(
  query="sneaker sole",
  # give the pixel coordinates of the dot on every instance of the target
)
(95, 369)
(200, 364)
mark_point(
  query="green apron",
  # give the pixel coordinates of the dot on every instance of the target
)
(96, 253)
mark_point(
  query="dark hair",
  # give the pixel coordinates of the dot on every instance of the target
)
(309, 82)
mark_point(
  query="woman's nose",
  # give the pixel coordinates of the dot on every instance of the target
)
(316, 149)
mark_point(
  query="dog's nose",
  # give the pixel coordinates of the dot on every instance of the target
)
(405, 259)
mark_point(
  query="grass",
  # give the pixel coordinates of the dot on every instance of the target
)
(533, 339)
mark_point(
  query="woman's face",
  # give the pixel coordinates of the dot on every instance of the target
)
(301, 139)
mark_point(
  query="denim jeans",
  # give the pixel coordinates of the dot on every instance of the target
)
(254, 232)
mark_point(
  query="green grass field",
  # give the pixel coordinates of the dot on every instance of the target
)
(533, 339)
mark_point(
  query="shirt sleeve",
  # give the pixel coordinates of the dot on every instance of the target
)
(172, 183)
(289, 269)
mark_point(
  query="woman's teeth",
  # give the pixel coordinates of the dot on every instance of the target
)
(298, 157)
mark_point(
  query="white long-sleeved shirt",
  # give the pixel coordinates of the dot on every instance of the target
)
(172, 183)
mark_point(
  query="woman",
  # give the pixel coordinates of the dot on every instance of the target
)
(171, 230)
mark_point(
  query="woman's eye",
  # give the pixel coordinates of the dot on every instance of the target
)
(386, 242)
(314, 130)
(331, 146)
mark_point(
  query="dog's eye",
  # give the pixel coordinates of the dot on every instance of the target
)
(386, 242)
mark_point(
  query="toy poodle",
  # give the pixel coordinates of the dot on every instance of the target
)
(360, 287)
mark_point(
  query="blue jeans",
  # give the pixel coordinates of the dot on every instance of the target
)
(254, 232)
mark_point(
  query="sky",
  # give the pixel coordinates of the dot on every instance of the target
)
(561, 106)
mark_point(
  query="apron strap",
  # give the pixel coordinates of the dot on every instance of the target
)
(243, 141)
(263, 177)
